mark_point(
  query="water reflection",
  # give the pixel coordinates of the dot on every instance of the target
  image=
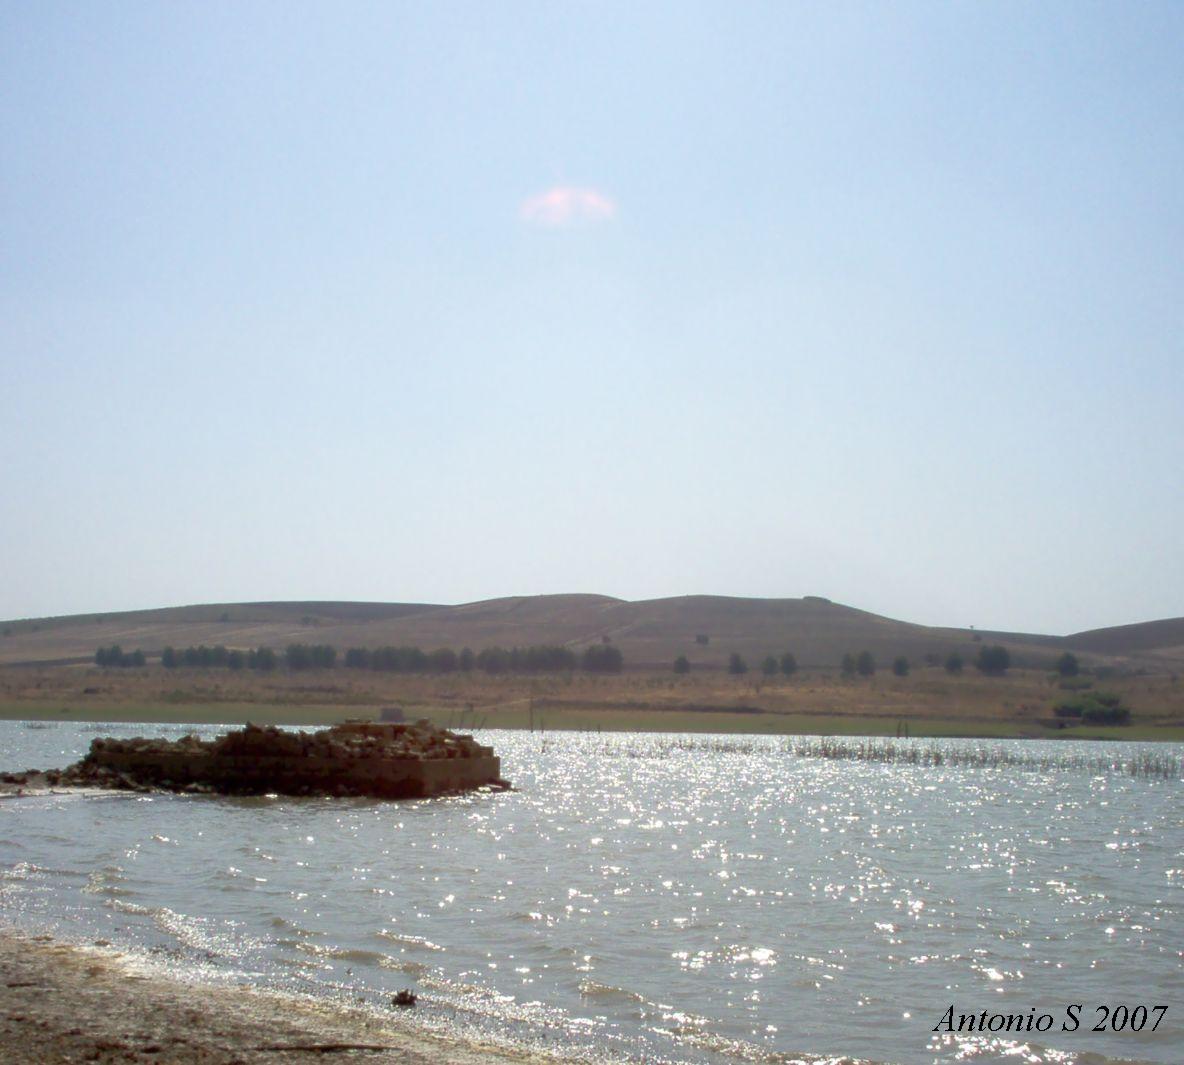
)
(705, 899)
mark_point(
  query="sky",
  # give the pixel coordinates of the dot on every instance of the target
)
(440, 302)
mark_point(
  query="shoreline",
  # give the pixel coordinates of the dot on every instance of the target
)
(66, 1003)
(605, 719)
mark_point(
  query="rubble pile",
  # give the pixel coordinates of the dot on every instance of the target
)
(356, 758)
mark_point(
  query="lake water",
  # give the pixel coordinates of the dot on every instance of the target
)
(651, 898)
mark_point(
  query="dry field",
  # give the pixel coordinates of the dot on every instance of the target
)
(928, 702)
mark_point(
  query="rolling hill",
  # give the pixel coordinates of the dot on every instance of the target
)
(649, 632)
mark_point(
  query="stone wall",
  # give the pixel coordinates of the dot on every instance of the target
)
(357, 758)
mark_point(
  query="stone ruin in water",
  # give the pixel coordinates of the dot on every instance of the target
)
(363, 758)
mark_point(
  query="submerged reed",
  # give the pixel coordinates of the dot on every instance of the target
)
(1145, 765)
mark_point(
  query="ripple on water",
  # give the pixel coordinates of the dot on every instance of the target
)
(654, 898)
(409, 941)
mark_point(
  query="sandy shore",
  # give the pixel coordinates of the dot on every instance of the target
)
(60, 1003)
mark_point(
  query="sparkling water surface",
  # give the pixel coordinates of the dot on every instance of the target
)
(651, 897)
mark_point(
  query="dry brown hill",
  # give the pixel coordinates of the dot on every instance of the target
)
(1163, 638)
(707, 629)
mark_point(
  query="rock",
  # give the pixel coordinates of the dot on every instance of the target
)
(358, 758)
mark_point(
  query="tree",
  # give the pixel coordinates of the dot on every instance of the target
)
(493, 660)
(900, 666)
(169, 658)
(114, 656)
(324, 656)
(466, 661)
(264, 660)
(442, 660)
(737, 665)
(865, 664)
(769, 666)
(682, 665)
(602, 658)
(1067, 665)
(954, 663)
(357, 658)
(847, 665)
(789, 664)
(298, 657)
(301, 656)
(994, 660)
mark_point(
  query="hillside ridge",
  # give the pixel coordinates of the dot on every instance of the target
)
(650, 632)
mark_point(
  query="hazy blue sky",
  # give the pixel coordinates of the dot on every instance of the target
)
(437, 301)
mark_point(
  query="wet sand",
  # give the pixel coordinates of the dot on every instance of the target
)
(60, 1003)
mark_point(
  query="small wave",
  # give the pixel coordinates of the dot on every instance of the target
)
(197, 933)
(408, 968)
(351, 954)
(416, 942)
(128, 907)
(301, 964)
(111, 891)
(592, 989)
(107, 881)
(993, 1048)
(277, 921)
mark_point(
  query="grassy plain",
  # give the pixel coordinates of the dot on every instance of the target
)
(929, 702)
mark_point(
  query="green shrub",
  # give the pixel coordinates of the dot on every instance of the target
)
(1095, 708)
(1067, 665)
(994, 660)
(1107, 715)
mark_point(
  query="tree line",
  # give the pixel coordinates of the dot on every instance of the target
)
(992, 661)
(772, 665)
(116, 656)
(297, 657)
(263, 659)
(540, 658)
